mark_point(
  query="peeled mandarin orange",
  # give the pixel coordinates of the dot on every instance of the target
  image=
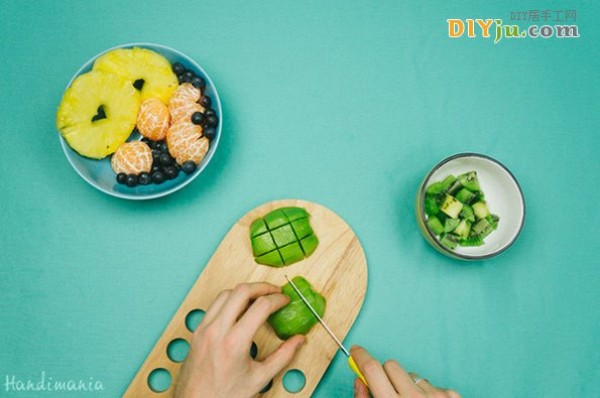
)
(185, 142)
(132, 158)
(184, 102)
(153, 119)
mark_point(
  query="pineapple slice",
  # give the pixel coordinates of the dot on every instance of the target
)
(147, 70)
(98, 113)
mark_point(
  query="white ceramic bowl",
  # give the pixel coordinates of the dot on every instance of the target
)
(503, 196)
(100, 175)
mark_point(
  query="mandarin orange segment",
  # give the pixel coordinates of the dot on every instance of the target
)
(153, 119)
(184, 102)
(132, 158)
(185, 142)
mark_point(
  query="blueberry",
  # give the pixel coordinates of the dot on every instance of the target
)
(178, 69)
(189, 167)
(122, 178)
(171, 172)
(181, 79)
(210, 133)
(159, 177)
(197, 118)
(132, 180)
(165, 159)
(163, 147)
(176, 165)
(152, 144)
(198, 82)
(212, 121)
(209, 112)
(144, 178)
(155, 155)
(188, 75)
(156, 168)
(205, 101)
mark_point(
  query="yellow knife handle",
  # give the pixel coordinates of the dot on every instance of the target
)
(356, 370)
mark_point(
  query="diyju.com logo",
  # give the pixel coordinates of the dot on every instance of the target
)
(533, 24)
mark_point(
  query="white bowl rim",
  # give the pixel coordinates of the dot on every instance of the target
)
(185, 182)
(434, 237)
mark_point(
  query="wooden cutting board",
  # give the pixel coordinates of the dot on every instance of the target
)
(337, 269)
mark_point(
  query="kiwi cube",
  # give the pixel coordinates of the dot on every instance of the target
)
(436, 225)
(291, 253)
(463, 229)
(465, 196)
(451, 206)
(482, 228)
(430, 205)
(454, 188)
(262, 244)
(481, 210)
(451, 224)
(447, 183)
(283, 235)
(258, 227)
(273, 258)
(470, 181)
(449, 241)
(467, 213)
(276, 219)
(294, 213)
(471, 241)
(302, 228)
(435, 188)
(309, 244)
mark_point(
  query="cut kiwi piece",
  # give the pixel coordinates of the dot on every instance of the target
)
(447, 183)
(481, 210)
(451, 206)
(431, 206)
(436, 225)
(450, 224)
(463, 229)
(493, 220)
(465, 196)
(435, 188)
(454, 188)
(471, 241)
(449, 240)
(467, 213)
(482, 228)
(470, 181)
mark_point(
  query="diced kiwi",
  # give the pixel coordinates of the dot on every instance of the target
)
(470, 181)
(450, 224)
(449, 240)
(481, 210)
(482, 228)
(431, 206)
(435, 188)
(447, 183)
(454, 188)
(465, 196)
(436, 225)
(493, 220)
(463, 229)
(451, 206)
(471, 241)
(467, 213)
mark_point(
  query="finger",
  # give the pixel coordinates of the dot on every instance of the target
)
(360, 390)
(402, 382)
(423, 384)
(240, 298)
(281, 358)
(257, 315)
(373, 372)
(215, 308)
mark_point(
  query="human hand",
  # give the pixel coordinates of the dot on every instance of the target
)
(219, 364)
(390, 380)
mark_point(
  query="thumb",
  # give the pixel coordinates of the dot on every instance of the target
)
(360, 390)
(282, 357)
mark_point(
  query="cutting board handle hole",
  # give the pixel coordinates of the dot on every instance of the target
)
(178, 349)
(159, 380)
(253, 350)
(294, 381)
(193, 319)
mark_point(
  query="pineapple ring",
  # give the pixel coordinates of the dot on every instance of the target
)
(132, 157)
(153, 119)
(184, 102)
(97, 113)
(140, 65)
(185, 142)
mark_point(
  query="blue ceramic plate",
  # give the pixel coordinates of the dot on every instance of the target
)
(100, 175)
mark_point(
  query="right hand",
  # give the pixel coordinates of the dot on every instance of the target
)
(390, 380)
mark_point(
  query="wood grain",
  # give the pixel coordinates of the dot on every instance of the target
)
(338, 269)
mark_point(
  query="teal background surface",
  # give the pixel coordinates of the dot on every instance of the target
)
(346, 103)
